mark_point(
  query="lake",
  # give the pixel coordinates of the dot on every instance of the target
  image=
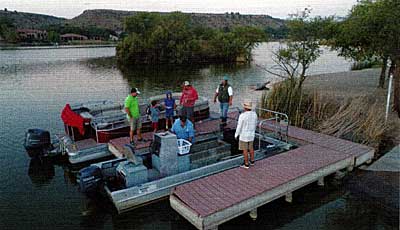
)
(36, 84)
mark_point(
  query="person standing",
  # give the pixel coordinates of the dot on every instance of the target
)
(155, 115)
(133, 114)
(245, 131)
(169, 104)
(187, 100)
(224, 93)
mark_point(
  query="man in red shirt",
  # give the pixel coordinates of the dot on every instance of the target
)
(188, 99)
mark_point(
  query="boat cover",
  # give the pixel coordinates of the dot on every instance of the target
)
(70, 118)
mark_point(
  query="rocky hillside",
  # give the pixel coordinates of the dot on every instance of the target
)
(113, 19)
(23, 20)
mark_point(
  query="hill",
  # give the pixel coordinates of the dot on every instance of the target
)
(22, 20)
(113, 19)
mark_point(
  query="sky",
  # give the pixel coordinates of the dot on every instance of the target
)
(275, 8)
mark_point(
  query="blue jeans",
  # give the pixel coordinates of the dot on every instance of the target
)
(224, 109)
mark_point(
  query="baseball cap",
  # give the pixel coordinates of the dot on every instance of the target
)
(135, 90)
(186, 83)
(226, 78)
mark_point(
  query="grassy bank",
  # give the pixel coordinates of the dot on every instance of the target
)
(347, 105)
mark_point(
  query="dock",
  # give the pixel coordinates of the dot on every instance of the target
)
(216, 199)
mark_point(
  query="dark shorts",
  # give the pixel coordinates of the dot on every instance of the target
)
(169, 113)
(187, 111)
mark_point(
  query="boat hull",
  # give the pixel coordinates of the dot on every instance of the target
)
(134, 197)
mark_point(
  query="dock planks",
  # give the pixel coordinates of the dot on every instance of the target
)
(213, 200)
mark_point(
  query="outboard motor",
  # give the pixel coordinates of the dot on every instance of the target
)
(37, 142)
(90, 179)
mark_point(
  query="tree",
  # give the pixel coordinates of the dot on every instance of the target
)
(141, 23)
(173, 38)
(372, 29)
(293, 59)
(53, 36)
(7, 30)
(248, 37)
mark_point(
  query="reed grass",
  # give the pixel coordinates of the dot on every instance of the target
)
(358, 119)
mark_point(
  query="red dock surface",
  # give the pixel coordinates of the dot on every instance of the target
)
(305, 137)
(212, 200)
(220, 191)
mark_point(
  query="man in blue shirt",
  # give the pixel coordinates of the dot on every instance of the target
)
(183, 128)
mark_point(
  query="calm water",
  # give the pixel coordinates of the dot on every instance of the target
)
(36, 84)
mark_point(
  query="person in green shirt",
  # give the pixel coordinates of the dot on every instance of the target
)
(133, 115)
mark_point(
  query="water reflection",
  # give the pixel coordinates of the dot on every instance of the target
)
(95, 212)
(41, 171)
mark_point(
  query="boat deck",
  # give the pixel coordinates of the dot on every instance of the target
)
(116, 146)
(213, 200)
(86, 143)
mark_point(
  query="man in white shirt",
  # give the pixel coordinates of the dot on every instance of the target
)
(224, 93)
(246, 130)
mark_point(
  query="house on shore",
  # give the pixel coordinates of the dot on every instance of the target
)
(73, 37)
(32, 35)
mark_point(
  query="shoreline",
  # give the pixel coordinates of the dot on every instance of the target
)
(55, 47)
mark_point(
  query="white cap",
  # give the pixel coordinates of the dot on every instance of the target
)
(186, 83)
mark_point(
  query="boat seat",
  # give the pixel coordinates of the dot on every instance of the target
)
(86, 115)
(102, 122)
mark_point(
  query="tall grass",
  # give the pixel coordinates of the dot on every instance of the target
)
(357, 119)
(361, 120)
(304, 109)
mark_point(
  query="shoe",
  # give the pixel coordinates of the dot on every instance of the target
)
(252, 163)
(132, 143)
(244, 166)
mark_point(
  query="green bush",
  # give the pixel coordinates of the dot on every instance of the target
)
(173, 39)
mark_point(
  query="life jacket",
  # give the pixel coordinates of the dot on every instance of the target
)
(223, 95)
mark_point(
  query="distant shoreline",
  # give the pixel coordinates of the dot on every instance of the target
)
(54, 47)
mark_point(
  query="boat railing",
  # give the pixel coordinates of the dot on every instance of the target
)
(279, 123)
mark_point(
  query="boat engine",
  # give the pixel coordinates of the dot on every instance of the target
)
(37, 142)
(90, 179)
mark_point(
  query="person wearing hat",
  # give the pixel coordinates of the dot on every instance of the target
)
(224, 93)
(245, 132)
(133, 114)
(187, 100)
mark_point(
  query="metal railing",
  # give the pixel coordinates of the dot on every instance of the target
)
(279, 122)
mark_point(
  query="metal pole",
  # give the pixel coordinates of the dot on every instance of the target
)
(388, 96)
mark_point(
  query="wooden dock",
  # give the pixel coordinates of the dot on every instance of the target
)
(213, 200)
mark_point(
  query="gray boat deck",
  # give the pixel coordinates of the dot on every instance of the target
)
(116, 146)
(213, 200)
